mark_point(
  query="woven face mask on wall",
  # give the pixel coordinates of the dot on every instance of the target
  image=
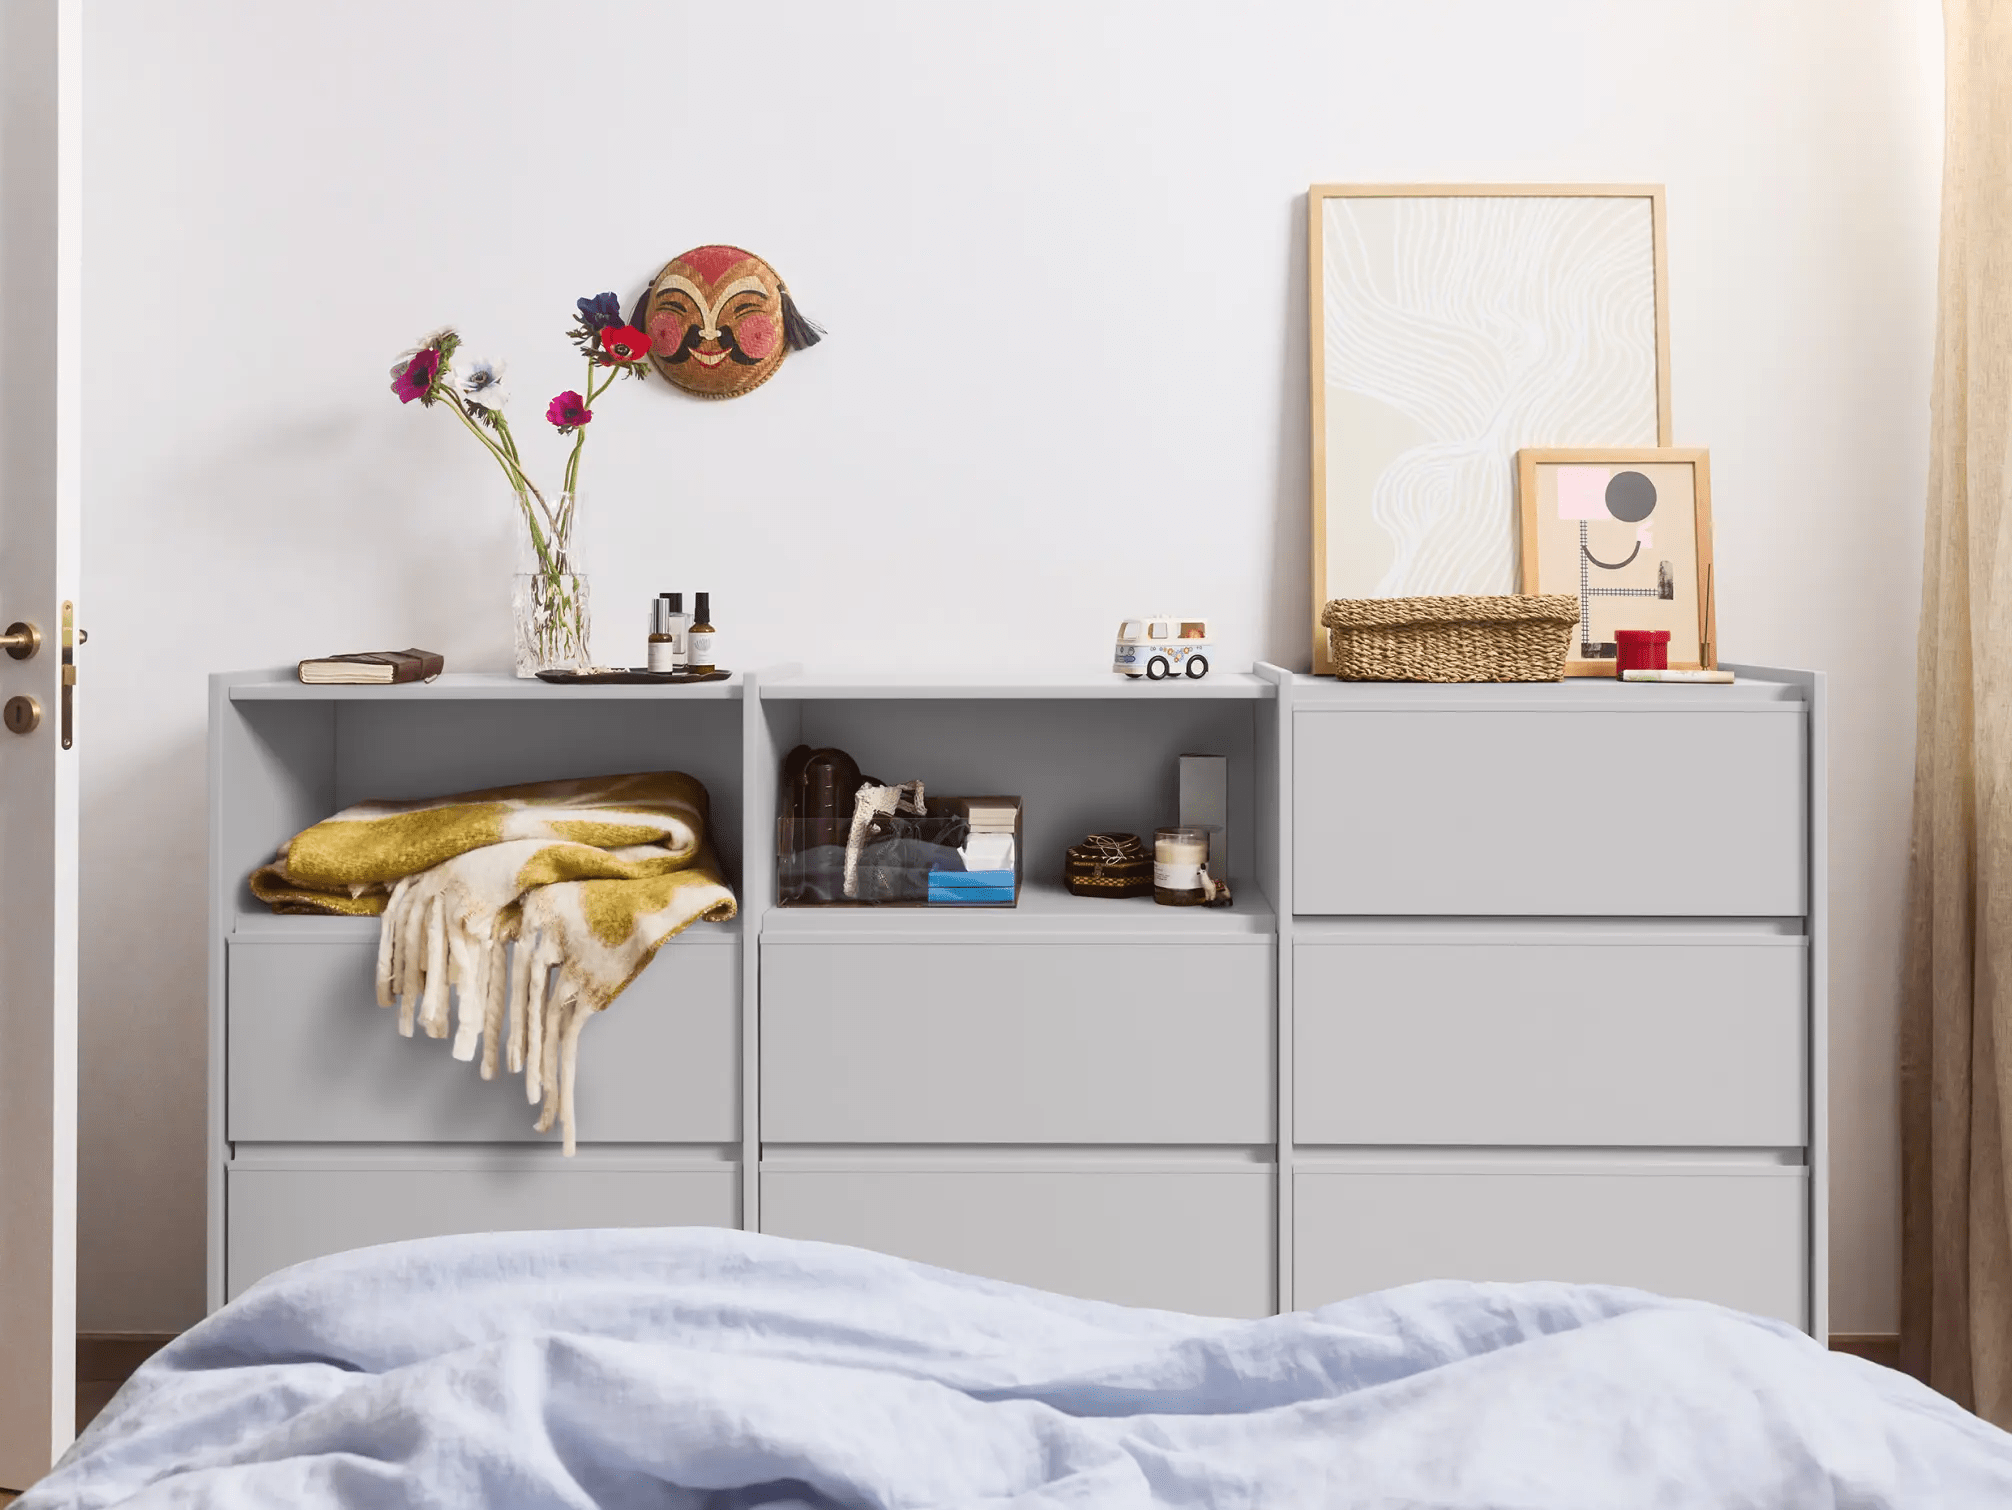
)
(720, 321)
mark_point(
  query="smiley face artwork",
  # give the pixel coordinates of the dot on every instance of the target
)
(720, 321)
(1629, 532)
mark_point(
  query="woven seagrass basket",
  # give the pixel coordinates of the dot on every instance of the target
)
(1467, 639)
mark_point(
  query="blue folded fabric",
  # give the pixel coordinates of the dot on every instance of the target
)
(980, 880)
(969, 896)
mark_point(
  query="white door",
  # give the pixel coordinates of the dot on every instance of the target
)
(39, 732)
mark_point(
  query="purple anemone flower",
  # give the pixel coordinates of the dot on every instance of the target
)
(601, 311)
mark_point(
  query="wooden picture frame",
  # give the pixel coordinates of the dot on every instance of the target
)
(1576, 508)
(1436, 298)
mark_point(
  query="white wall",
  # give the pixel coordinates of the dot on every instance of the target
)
(1059, 248)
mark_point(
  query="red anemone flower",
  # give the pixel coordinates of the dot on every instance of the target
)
(623, 343)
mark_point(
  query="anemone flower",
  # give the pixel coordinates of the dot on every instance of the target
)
(415, 377)
(569, 412)
(481, 383)
(601, 311)
(622, 344)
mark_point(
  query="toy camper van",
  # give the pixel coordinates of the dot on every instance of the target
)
(1158, 648)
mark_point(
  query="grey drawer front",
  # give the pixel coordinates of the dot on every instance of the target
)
(1198, 1242)
(1622, 1044)
(1017, 1043)
(314, 1059)
(277, 1217)
(1737, 1239)
(1553, 813)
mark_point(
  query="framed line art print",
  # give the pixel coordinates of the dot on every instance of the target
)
(1628, 531)
(1452, 326)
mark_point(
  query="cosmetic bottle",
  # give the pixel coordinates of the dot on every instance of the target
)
(663, 640)
(679, 625)
(699, 639)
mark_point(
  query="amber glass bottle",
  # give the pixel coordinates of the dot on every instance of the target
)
(699, 638)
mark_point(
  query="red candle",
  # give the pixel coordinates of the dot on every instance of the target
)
(1641, 650)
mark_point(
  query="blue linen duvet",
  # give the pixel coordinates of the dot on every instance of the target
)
(694, 1369)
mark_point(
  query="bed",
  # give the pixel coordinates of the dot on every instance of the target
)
(706, 1369)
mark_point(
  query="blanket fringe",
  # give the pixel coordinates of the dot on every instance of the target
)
(514, 1002)
(517, 1003)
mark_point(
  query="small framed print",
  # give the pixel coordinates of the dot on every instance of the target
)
(1628, 530)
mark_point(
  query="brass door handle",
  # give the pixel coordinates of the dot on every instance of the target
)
(21, 640)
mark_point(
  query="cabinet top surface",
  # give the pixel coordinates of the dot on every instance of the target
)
(1757, 686)
(1067, 685)
(284, 685)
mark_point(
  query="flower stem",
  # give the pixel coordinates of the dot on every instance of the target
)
(513, 468)
(505, 460)
(580, 435)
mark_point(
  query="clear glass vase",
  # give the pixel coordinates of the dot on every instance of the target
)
(549, 602)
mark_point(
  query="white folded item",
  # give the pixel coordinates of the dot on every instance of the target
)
(988, 852)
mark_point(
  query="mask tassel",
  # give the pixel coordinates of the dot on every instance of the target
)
(798, 331)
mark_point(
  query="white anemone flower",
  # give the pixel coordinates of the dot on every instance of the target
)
(480, 381)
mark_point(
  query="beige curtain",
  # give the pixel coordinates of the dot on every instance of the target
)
(1956, 1049)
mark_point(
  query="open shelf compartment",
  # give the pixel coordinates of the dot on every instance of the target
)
(1079, 763)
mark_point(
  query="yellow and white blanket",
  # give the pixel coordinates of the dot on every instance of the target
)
(587, 878)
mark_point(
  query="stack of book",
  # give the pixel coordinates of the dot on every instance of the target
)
(988, 875)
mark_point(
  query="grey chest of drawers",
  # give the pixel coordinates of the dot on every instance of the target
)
(1552, 987)
(1520, 981)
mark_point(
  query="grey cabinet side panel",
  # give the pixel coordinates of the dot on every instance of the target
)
(271, 774)
(769, 731)
(1275, 777)
(1819, 997)
(1017, 1043)
(1548, 1044)
(1196, 1242)
(1554, 813)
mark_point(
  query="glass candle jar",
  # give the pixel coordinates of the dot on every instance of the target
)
(1181, 867)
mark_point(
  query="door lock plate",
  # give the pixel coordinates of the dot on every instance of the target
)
(22, 714)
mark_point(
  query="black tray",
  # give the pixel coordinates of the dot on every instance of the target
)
(630, 676)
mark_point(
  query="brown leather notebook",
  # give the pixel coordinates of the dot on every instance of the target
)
(367, 666)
